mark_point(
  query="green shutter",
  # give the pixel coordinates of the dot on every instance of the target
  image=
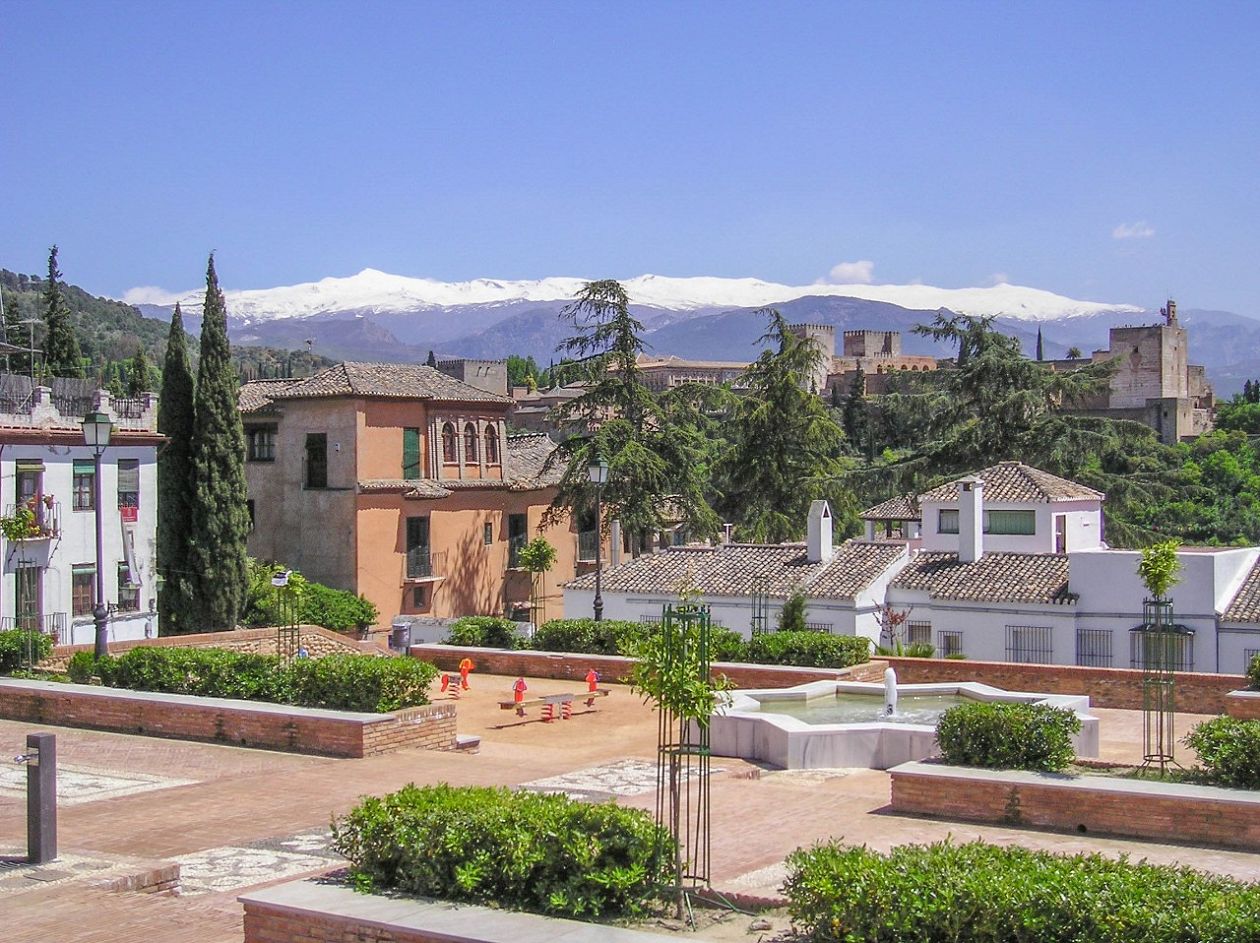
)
(411, 453)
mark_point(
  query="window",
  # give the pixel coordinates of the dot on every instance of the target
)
(1023, 523)
(947, 523)
(128, 595)
(249, 506)
(470, 444)
(919, 633)
(1060, 533)
(28, 480)
(28, 602)
(316, 460)
(260, 443)
(518, 536)
(949, 644)
(448, 444)
(487, 534)
(129, 482)
(1171, 650)
(83, 590)
(419, 560)
(411, 453)
(84, 485)
(1029, 644)
(1093, 648)
(420, 597)
(492, 445)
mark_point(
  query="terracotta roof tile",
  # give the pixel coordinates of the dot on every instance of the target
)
(401, 380)
(258, 395)
(1245, 606)
(995, 577)
(904, 507)
(1014, 481)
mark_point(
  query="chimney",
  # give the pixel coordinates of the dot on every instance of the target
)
(818, 543)
(970, 519)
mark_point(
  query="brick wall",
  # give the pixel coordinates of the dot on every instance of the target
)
(1245, 705)
(240, 723)
(265, 924)
(1194, 814)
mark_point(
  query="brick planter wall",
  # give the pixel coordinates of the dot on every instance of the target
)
(240, 723)
(1133, 808)
(614, 668)
(1245, 705)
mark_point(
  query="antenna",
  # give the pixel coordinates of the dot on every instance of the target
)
(31, 350)
(4, 330)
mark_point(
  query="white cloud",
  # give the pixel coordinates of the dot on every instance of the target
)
(149, 295)
(998, 278)
(1138, 230)
(852, 273)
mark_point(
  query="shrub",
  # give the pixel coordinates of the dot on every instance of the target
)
(1008, 736)
(1229, 751)
(82, 667)
(19, 645)
(543, 853)
(792, 615)
(484, 632)
(361, 682)
(811, 649)
(945, 892)
(335, 608)
(726, 645)
(1253, 672)
(586, 636)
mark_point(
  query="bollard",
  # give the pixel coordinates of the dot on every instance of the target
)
(41, 796)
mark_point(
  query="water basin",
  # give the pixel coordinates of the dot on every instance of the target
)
(866, 708)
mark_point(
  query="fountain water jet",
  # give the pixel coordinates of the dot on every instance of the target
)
(890, 691)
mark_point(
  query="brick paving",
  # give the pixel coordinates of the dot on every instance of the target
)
(240, 804)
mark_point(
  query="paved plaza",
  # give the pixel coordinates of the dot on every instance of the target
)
(235, 818)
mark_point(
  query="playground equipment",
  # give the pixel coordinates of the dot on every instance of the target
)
(451, 686)
(550, 702)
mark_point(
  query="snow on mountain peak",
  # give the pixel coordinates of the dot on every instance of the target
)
(372, 291)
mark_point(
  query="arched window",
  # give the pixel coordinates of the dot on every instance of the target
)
(448, 444)
(492, 445)
(470, 444)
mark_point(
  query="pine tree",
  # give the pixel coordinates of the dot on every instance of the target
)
(139, 377)
(175, 421)
(220, 521)
(62, 357)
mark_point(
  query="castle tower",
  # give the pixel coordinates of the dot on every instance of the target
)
(824, 336)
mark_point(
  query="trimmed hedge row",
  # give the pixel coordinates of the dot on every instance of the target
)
(484, 632)
(1008, 736)
(808, 649)
(943, 893)
(19, 645)
(1229, 751)
(544, 853)
(345, 682)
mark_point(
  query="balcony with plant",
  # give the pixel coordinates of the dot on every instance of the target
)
(36, 518)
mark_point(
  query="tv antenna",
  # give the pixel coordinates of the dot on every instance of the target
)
(31, 350)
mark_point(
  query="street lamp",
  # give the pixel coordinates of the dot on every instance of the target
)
(96, 429)
(598, 473)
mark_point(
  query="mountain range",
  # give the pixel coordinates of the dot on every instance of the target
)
(375, 315)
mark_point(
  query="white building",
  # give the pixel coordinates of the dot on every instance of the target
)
(49, 577)
(1008, 564)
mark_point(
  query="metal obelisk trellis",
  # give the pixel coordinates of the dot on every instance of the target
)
(682, 757)
(287, 641)
(1160, 647)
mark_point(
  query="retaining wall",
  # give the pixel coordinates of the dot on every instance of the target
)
(1245, 705)
(220, 720)
(1134, 808)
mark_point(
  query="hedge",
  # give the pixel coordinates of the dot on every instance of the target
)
(588, 637)
(1229, 751)
(1253, 672)
(335, 609)
(484, 632)
(347, 682)
(544, 853)
(943, 893)
(808, 649)
(1008, 736)
(19, 645)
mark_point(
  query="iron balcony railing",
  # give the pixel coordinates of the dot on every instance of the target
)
(43, 522)
(423, 563)
(49, 623)
(587, 542)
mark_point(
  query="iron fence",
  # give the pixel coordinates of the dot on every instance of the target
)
(1030, 644)
(949, 643)
(128, 408)
(1171, 651)
(46, 521)
(1093, 648)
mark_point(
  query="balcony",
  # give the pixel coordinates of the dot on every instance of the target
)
(52, 623)
(37, 518)
(425, 564)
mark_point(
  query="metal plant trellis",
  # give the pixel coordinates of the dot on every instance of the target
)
(1160, 644)
(287, 636)
(682, 753)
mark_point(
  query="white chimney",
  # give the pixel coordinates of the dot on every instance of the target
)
(818, 543)
(970, 519)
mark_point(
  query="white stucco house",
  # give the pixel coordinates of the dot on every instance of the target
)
(48, 579)
(1007, 564)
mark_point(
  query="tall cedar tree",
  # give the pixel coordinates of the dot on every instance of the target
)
(175, 421)
(785, 446)
(220, 520)
(62, 357)
(654, 465)
(139, 376)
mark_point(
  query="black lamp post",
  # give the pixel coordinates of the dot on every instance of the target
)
(598, 472)
(96, 429)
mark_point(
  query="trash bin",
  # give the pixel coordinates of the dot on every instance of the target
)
(400, 636)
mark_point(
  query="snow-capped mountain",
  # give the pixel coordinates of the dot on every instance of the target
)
(375, 292)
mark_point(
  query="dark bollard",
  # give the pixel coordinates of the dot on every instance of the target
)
(41, 797)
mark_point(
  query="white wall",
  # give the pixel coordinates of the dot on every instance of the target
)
(1084, 522)
(77, 541)
(983, 625)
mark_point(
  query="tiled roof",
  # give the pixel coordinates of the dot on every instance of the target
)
(258, 395)
(1014, 481)
(904, 507)
(995, 577)
(400, 380)
(526, 460)
(1245, 606)
(410, 487)
(744, 569)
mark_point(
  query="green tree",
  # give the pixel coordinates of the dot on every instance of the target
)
(792, 615)
(139, 376)
(1074, 353)
(175, 484)
(62, 357)
(785, 446)
(537, 557)
(650, 461)
(854, 417)
(220, 521)
(1159, 568)
(1041, 348)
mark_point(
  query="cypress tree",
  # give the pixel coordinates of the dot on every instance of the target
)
(175, 421)
(1041, 351)
(139, 377)
(62, 357)
(220, 521)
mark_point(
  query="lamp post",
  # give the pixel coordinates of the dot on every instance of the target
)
(598, 473)
(96, 429)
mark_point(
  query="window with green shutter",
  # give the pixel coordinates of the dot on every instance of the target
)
(411, 453)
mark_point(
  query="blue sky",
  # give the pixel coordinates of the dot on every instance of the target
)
(1103, 151)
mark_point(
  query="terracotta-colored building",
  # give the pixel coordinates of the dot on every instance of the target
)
(401, 483)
